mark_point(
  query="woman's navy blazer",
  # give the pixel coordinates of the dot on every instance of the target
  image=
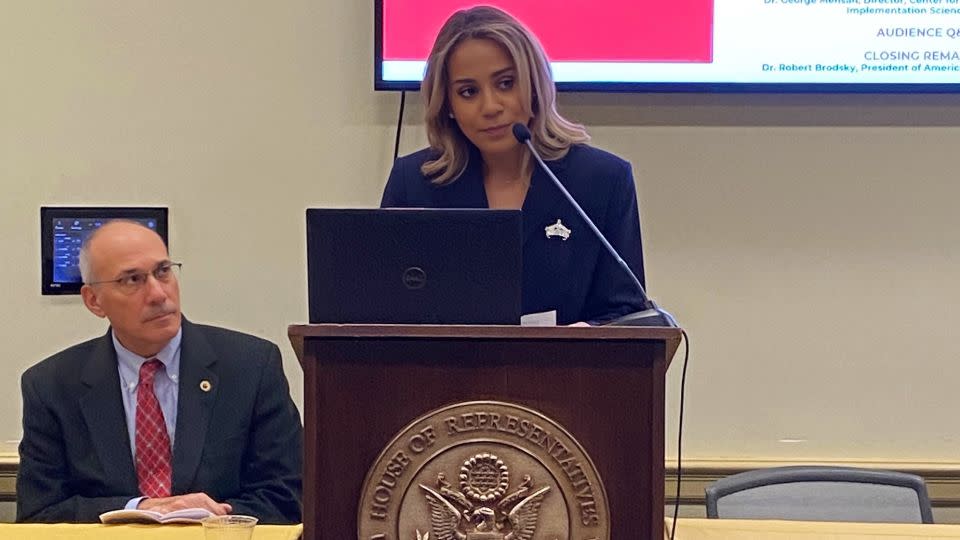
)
(576, 277)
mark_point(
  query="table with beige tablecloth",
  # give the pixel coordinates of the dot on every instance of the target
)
(72, 531)
(738, 529)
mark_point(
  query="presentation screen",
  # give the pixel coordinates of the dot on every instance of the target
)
(705, 45)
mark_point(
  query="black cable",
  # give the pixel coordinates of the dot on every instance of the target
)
(396, 144)
(683, 384)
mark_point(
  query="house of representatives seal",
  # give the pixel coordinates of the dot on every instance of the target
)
(483, 470)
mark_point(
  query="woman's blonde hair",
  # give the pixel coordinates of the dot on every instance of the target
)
(552, 135)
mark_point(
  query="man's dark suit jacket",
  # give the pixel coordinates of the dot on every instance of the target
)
(240, 442)
(576, 277)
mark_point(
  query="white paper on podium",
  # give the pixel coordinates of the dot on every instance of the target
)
(544, 318)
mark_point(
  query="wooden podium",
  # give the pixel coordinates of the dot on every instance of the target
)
(363, 384)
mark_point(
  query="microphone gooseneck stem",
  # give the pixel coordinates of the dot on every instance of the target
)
(589, 222)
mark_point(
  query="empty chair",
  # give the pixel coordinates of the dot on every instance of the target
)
(808, 493)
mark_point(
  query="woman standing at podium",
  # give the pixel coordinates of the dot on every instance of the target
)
(486, 72)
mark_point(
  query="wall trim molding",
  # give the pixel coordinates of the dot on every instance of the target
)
(942, 478)
(8, 479)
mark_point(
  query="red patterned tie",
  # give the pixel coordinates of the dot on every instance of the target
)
(153, 442)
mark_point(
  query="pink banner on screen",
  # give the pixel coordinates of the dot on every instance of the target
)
(570, 30)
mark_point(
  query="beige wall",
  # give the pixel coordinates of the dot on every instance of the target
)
(809, 244)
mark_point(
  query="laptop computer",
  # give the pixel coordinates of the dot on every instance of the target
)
(414, 266)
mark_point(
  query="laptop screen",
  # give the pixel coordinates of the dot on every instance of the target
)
(414, 266)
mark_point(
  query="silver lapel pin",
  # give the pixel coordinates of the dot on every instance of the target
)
(557, 229)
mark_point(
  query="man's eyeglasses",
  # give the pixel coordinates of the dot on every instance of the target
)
(134, 281)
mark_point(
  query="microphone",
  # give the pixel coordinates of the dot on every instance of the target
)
(650, 315)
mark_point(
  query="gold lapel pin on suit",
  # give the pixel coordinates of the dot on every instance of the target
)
(205, 385)
(557, 230)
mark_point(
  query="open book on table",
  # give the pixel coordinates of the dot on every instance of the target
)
(186, 515)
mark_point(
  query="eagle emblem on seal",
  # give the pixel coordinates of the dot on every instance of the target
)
(482, 509)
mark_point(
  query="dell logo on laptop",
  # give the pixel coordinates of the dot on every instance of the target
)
(414, 278)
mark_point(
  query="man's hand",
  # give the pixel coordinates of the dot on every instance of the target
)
(179, 502)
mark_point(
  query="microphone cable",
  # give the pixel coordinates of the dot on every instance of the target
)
(396, 143)
(523, 136)
(683, 385)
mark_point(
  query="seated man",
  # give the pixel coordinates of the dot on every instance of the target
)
(159, 413)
